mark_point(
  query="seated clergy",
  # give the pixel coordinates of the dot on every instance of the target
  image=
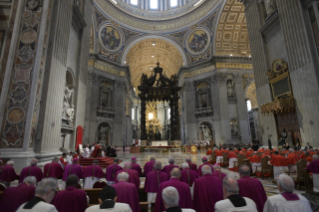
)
(86, 150)
(53, 169)
(171, 200)
(127, 192)
(204, 160)
(8, 174)
(92, 174)
(292, 159)
(217, 171)
(207, 191)
(44, 193)
(135, 166)
(31, 170)
(74, 168)
(149, 166)
(219, 156)
(134, 177)
(168, 168)
(108, 202)
(13, 197)
(255, 161)
(111, 171)
(279, 164)
(153, 180)
(314, 168)
(232, 200)
(232, 159)
(185, 200)
(192, 166)
(251, 187)
(287, 200)
(71, 199)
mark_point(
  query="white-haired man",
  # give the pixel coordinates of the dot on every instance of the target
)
(134, 176)
(207, 191)
(171, 198)
(232, 200)
(292, 159)
(31, 170)
(13, 197)
(44, 194)
(287, 200)
(127, 192)
(314, 168)
(8, 174)
(192, 166)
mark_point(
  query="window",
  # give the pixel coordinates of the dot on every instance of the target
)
(248, 105)
(133, 113)
(153, 4)
(168, 113)
(134, 2)
(150, 116)
(173, 3)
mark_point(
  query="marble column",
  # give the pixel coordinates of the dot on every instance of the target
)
(242, 110)
(223, 106)
(119, 121)
(216, 108)
(189, 111)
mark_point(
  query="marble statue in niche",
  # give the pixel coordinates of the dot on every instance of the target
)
(33, 4)
(270, 6)
(68, 107)
(102, 133)
(230, 88)
(203, 92)
(106, 95)
(206, 133)
(234, 127)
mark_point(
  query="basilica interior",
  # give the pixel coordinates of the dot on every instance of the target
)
(132, 74)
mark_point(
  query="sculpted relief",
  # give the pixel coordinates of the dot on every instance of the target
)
(270, 6)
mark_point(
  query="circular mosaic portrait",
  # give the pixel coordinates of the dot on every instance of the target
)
(110, 38)
(198, 41)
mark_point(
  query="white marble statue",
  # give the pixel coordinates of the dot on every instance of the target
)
(234, 127)
(207, 134)
(270, 6)
(68, 107)
(102, 133)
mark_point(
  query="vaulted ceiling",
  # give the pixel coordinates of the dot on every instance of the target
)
(144, 55)
(232, 34)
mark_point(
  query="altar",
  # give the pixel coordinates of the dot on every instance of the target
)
(159, 143)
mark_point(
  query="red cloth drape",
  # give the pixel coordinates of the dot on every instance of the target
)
(79, 136)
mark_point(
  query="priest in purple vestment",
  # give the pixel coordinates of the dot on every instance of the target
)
(153, 181)
(13, 197)
(149, 166)
(8, 174)
(192, 166)
(92, 174)
(71, 199)
(184, 192)
(251, 188)
(31, 170)
(217, 171)
(313, 167)
(168, 168)
(111, 171)
(188, 176)
(53, 169)
(135, 166)
(204, 159)
(127, 192)
(207, 191)
(134, 177)
(73, 168)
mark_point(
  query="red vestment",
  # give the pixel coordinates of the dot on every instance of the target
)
(232, 155)
(254, 159)
(63, 162)
(96, 152)
(309, 159)
(292, 159)
(209, 152)
(278, 160)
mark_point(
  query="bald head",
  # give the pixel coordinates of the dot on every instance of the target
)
(285, 183)
(206, 170)
(176, 172)
(230, 186)
(34, 162)
(244, 170)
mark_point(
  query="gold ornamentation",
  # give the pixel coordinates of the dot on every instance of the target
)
(234, 65)
(278, 68)
(106, 69)
(200, 71)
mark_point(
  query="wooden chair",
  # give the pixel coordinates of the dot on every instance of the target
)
(225, 159)
(2, 187)
(94, 195)
(79, 186)
(265, 169)
(100, 184)
(213, 157)
(240, 159)
(301, 170)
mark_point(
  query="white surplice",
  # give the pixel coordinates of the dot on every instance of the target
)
(315, 178)
(219, 159)
(86, 153)
(280, 204)
(89, 182)
(231, 162)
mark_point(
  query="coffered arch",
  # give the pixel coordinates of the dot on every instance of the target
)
(231, 37)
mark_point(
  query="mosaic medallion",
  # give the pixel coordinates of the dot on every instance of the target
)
(15, 115)
(110, 38)
(198, 41)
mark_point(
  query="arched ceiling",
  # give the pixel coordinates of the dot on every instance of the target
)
(144, 55)
(252, 95)
(232, 34)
